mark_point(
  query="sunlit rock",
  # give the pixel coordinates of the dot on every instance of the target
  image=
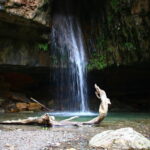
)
(121, 139)
(22, 106)
(34, 107)
(37, 11)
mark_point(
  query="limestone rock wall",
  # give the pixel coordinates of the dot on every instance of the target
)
(26, 53)
(25, 26)
(35, 11)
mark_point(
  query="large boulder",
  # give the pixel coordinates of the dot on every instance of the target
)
(27, 12)
(120, 139)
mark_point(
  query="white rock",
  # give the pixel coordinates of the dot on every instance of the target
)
(121, 139)
(71, 149)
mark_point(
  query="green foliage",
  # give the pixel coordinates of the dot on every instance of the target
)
(110, 18)
(97, 62)
(129, 46)
(111, 49)
(101, 43)
(43, 46)
(115, 5)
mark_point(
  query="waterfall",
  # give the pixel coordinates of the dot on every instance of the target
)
(70, 60)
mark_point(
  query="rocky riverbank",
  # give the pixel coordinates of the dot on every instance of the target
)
(71, 138)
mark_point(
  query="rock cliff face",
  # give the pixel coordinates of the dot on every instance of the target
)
(25, 25)
(24, 56)
(116, 31)
(26, 11)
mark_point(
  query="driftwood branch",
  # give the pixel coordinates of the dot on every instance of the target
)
(103, 108)
(50, 120)
(40, 103)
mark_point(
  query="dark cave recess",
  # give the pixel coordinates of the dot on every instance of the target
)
(127, 87)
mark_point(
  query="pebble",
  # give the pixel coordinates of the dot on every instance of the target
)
(34, 140)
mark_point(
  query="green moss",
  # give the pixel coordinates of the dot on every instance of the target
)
(43, 46)
(129, 46)
(115, 5)
(110, 18)
(98, 62)
(101, 42)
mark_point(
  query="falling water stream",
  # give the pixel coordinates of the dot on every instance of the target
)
(70, 58)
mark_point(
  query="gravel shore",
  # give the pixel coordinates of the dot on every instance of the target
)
(33, 140)
(45, 139)
(17, 137)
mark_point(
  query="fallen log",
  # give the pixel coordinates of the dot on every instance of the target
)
(44, 120)
(47, 120)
